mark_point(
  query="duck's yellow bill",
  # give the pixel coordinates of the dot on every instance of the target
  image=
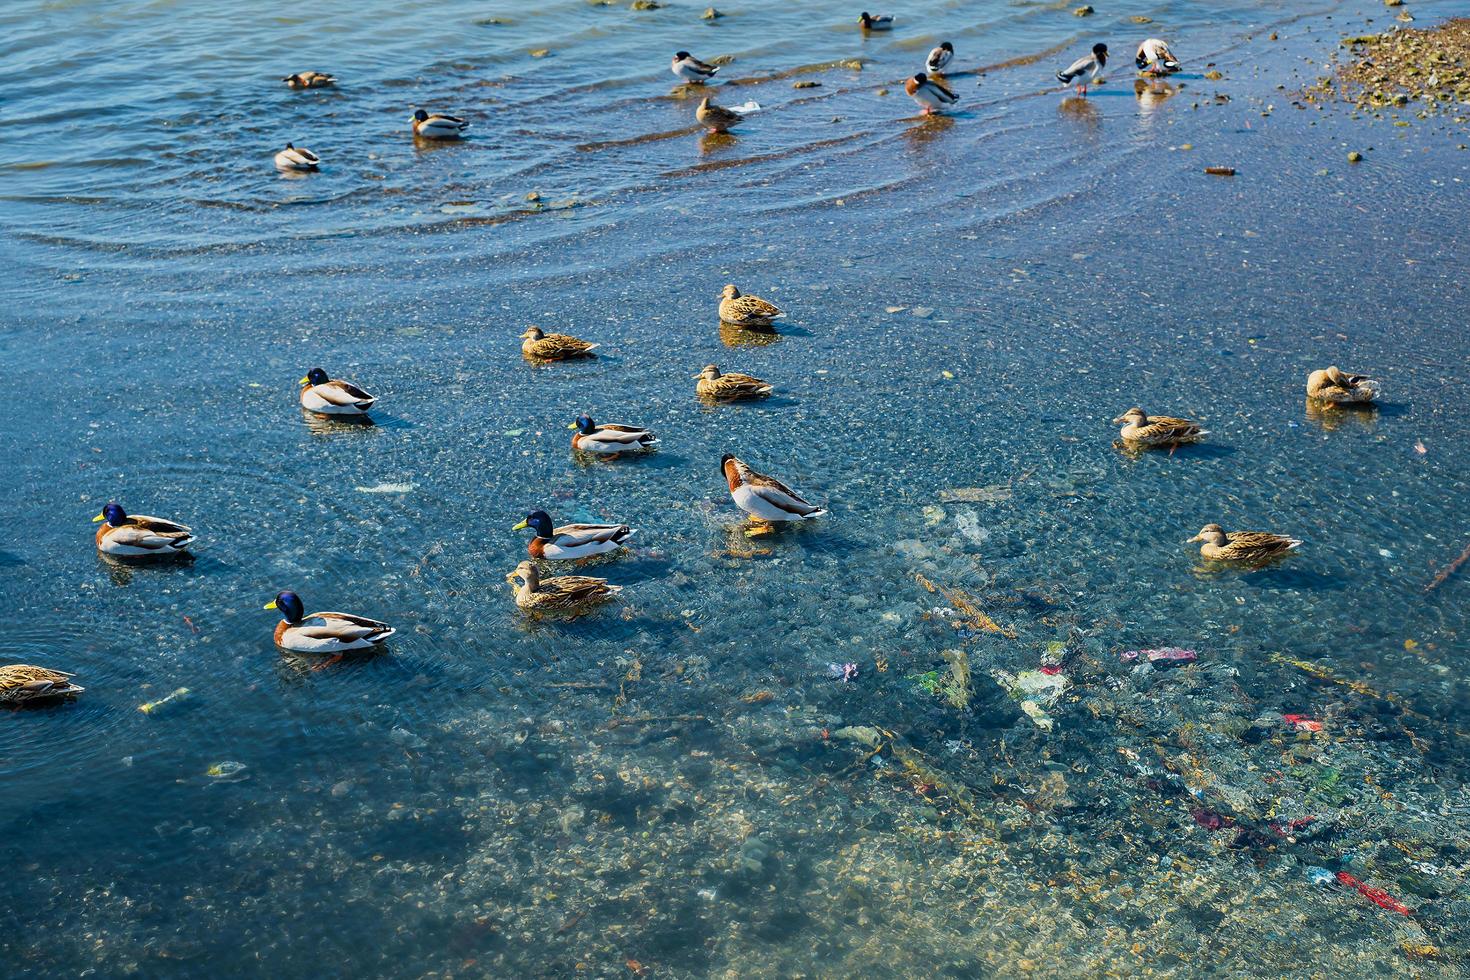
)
(511, 577)
(519, 526)
(271, 604)
(99, 517)
(304, 381)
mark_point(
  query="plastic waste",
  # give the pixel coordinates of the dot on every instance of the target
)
(1302, 723)
(165, 703)
(227, 772)
(1320, 877)
(1162, 657)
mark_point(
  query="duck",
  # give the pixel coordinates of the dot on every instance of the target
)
(553, 346)
(740, 310)
(939, 57)
(1217, 545)
(691, 69)
(310, 79)
(327, 396)
(729, 387)
(20, 683)
(875, 22)
(1090, 65)
(560, 593)
(765, 498)
(572, 541)
(438, 126)
(609, 439)
(297, 159)
(1153, 56)
(1142, 429)
(929, 93)
(1337, 387)
(138, 536)
(324, 632)
(719, 119)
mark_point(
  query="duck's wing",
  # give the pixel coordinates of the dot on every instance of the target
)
(1259, 542)
(159, 525)
(440, 117)
(561, 344)
(702, 67)
(1076, 68)
(570, 535)
(629, 430)
(342, 626)
(778, 494)
(1162, 427)
(754, 306)
(342, 393)
(944, 92)
(739, 384)
(576, 588)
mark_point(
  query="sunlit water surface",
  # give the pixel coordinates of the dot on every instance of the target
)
(654, 788)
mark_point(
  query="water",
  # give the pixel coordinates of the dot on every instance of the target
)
(650, 788)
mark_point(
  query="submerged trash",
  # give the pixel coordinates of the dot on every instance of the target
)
(1302, 723)
(846, 673)
(1320, 877)
(1162, 657)
(165, 703)
(227, 772)
(1377, 896)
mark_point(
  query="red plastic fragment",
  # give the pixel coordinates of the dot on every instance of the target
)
(1051, 670)
(1302, 723)
(1377, 896)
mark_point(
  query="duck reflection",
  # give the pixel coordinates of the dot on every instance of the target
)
(733, 336)
(1152, 93)
(326, 425)
(1331, 417)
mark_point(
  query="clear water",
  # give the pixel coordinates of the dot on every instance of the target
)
(649, 789)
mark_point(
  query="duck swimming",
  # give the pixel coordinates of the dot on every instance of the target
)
(137, 536)
(297, 159)
(609, 439)
(542, 346)
(1337, 387)
(324, 632)
(572, 541)
(740, 310)
(21, 683)
(561, 593)
(1140, 429)
(729, 387)
(875, 22)
(1244, 546)
(326, 396)
(310, 79)
(438, 126)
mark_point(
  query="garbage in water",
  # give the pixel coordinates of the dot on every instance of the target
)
(1162, 657)
(227, 772)
(1302, 723)
(166, 703)
(1377, 896)
(846, 673)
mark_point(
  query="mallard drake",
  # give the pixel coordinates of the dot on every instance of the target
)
(765, 498)
(293, 159)
(438, 126)
(553, 346)
(572, 541)
(875, 22)
(746, 311)
(719, 119)
(1340, 388)
(1153, 56)
(609, 439)
(135, 535)
(939, 57)
(729, 387)
(20, 683)
(1157, 430)
(1090, 65)
(559, 593)
(1217, 545)
(325, 396)
(691, 69)
(310, 79)
(324, 632)
(929, 93)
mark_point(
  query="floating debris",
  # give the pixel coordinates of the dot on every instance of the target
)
(1162, 657)
(388, 488)
(166, 703)
(846, 673)
(227, 772)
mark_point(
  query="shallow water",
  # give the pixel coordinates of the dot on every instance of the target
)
(654, 788)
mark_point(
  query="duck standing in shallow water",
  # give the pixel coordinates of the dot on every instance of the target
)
(295, 159)
(541, 346)
(1090, 65)
(718, 119)
(561, 593)
(1337, 387)
(609, 440)
(310, 79)
(691, 69)
(929, 93)
(438, 126)
(740, 310)
(729, 387)
(328, 396)
(137, 536)
(938, 58)
(324, 632)
(1153, 57)
(20, 683)
(1140, 429)
(765, 498)
(571, 542)
(1243, 546)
